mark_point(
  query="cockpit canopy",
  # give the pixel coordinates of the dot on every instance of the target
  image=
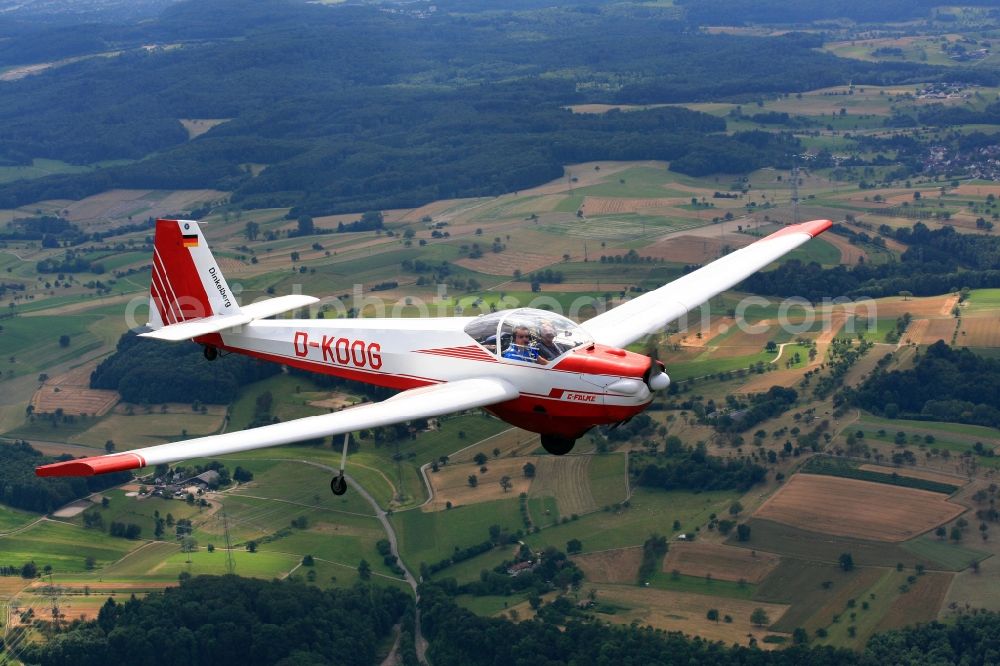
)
(527, 335)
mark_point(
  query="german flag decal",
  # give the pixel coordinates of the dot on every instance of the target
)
(190, 240)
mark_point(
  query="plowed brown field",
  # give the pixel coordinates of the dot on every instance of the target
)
(694, 249)
(722, 562)
(862, 509)
(566, 478)
(611, 566)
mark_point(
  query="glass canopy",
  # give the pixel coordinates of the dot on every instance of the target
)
(527, 335)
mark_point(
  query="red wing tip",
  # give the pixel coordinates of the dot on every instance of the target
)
(93, 465)
(813, 228)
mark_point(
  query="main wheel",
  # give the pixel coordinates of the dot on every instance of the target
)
(211, 353)
(338, 485)
(557, 446)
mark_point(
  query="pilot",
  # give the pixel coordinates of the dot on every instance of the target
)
(521, 348)
(547, 347)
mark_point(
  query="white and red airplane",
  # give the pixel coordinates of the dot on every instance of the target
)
(532, 368)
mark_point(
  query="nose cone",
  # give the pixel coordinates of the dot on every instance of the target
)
(659, 382)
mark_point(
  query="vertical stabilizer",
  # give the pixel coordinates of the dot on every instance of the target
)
(187, 283)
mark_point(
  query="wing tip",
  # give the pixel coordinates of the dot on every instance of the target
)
(813, 228)
(118, 462)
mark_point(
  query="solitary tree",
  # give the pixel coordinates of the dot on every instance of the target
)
(306, 226)
(480, 458)
(846, 561)
(505, 483)
(252, 230)
(759, 617)
(574, 546)
(529, 470)
(364, 570)
(473, 481)
(713, 615)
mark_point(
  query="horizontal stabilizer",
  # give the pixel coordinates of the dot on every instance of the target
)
(186, 330)
(274, 306)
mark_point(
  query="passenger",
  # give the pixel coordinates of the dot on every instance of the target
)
(547, 347)
(521, 349)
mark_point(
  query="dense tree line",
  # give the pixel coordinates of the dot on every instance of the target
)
(216, 620)
(946, 384)
(561, 636)
(759, 407)
(20, 488)
(226, 620)
(37, 228)
(971, 639)
(681, 468)
(935, 262)
(152, 372)
(329, 103)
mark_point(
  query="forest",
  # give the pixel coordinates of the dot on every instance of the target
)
(355, 109)
(680, 468)
(152, 372)
(947, 384)
(228, 620)
(21, 489)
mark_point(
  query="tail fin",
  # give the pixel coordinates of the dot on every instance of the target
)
(187, 283)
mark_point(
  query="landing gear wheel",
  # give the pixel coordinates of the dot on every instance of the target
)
(338, 485)
(210, 352)
(557, 446)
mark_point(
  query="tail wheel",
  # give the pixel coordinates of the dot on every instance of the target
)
(211, 353)
(557, 446)
(338, 485)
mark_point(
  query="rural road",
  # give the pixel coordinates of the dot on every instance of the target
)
(418, 637)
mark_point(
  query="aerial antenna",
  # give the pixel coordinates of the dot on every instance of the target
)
(230, 564)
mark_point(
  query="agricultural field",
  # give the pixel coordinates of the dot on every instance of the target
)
(848, 507)
(429, 537)
(618, 566)
(720, 562)
(649, 512)
(822, 548)
(450, 485)
(685, 612)
(814, 591)
(64, 547)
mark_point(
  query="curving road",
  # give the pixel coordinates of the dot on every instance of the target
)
(418, 637)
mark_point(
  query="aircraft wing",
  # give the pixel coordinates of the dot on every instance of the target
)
(424, 402)
(654, 310)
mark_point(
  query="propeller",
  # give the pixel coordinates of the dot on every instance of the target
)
(655, 377)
